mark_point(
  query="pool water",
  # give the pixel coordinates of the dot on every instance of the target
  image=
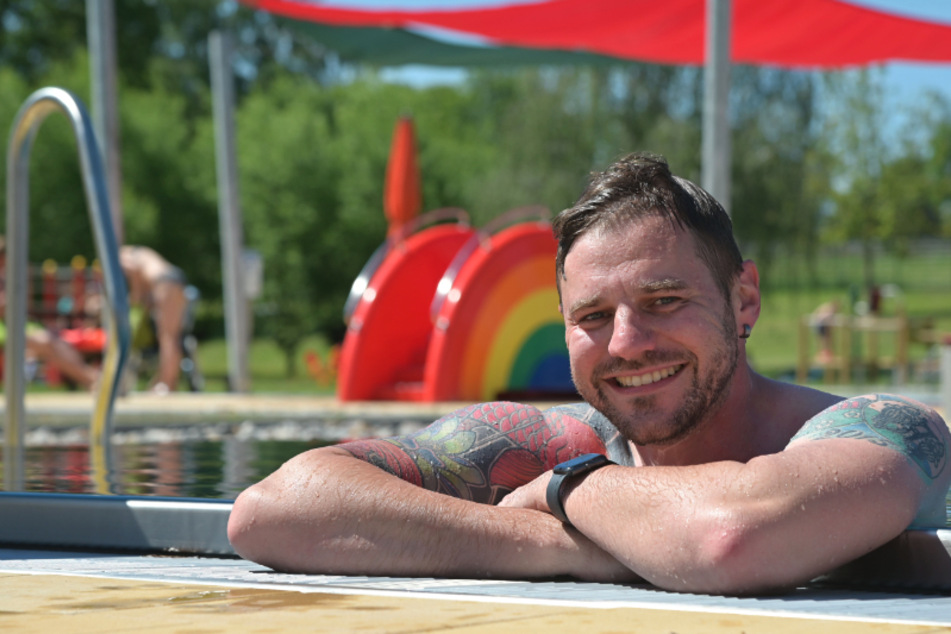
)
(192, 468)
(199, 467)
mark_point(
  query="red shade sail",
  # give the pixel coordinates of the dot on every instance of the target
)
(786, 33)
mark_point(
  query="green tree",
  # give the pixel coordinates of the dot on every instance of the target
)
(915, 189)
(658, 108)
(773, 141)
(59, 217)
(854, 129)
(40, 33)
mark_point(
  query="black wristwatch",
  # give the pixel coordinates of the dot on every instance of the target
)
(566, 472)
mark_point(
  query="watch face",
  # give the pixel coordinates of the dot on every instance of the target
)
(581, 464)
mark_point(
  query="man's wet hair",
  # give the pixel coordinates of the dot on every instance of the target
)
(641, 185)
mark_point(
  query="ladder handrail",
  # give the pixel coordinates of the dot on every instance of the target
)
(32, 113)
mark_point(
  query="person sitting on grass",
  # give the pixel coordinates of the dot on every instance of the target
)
(683, 466)
(45, 346)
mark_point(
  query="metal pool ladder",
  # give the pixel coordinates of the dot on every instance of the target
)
(116, 318)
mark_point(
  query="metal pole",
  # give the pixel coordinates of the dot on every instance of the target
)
(229, 212)
(101, 34)
(716, 151)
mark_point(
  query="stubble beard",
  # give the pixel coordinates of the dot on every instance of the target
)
(704, 397)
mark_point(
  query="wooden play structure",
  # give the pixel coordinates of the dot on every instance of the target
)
(862, 346)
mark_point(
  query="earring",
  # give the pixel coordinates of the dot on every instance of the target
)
(747, 331)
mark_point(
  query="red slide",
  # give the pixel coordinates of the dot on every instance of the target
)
(389, 325)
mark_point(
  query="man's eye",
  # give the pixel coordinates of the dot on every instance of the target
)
(666, 301)
(596, 316)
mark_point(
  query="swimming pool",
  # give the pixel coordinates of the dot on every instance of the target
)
(212, 461)
(192, 468)
(173, 485)
(208, 460)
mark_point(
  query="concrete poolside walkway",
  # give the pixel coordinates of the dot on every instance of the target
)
(137, 408)
(97, 592)
(56, 417)
(71, 408)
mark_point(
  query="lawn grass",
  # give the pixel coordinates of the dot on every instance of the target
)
(773, 347)
(266, 366)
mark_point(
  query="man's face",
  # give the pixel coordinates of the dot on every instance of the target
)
(653, 343)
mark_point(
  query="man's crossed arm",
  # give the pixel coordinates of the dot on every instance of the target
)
(855, 476)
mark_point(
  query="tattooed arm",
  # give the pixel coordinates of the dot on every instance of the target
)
(855, 476)
(421, 504)
(901, 425)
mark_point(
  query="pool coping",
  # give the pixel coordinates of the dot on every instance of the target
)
(917, 559)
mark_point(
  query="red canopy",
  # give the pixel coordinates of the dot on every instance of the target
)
(787, 33)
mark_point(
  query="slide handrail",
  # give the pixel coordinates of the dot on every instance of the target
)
(482, 238)
(360, 285)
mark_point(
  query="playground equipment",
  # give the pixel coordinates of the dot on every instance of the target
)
(66, 300)
(864, 346)
(452, 314)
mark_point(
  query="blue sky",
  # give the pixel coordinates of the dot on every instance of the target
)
(909, 80)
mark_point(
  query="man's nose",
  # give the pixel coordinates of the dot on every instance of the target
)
(631, 336)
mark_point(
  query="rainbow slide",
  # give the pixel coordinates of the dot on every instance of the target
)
(452, 314)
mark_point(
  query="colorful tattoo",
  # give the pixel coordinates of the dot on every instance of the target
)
(481, 452)
(887, 421)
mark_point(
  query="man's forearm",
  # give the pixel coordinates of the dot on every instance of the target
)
(731, 527)
(326, 512)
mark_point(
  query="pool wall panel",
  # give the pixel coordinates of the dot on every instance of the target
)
(143, 524)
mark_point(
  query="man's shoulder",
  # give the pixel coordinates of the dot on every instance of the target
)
(616, 446)
(888, 420)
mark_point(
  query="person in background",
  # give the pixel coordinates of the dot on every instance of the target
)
(45, 346)
(683, 467)
(822, 321)
(157, 291)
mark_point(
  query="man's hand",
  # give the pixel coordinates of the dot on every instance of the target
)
(530, 496)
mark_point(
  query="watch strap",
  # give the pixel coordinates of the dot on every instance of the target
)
(567, 473)
(553, 497)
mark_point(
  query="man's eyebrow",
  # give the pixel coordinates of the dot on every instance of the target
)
(659, 286)
(581, 304)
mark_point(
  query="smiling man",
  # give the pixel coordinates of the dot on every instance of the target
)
(683, 467)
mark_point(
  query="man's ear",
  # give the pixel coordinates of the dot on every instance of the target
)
(746, 296)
